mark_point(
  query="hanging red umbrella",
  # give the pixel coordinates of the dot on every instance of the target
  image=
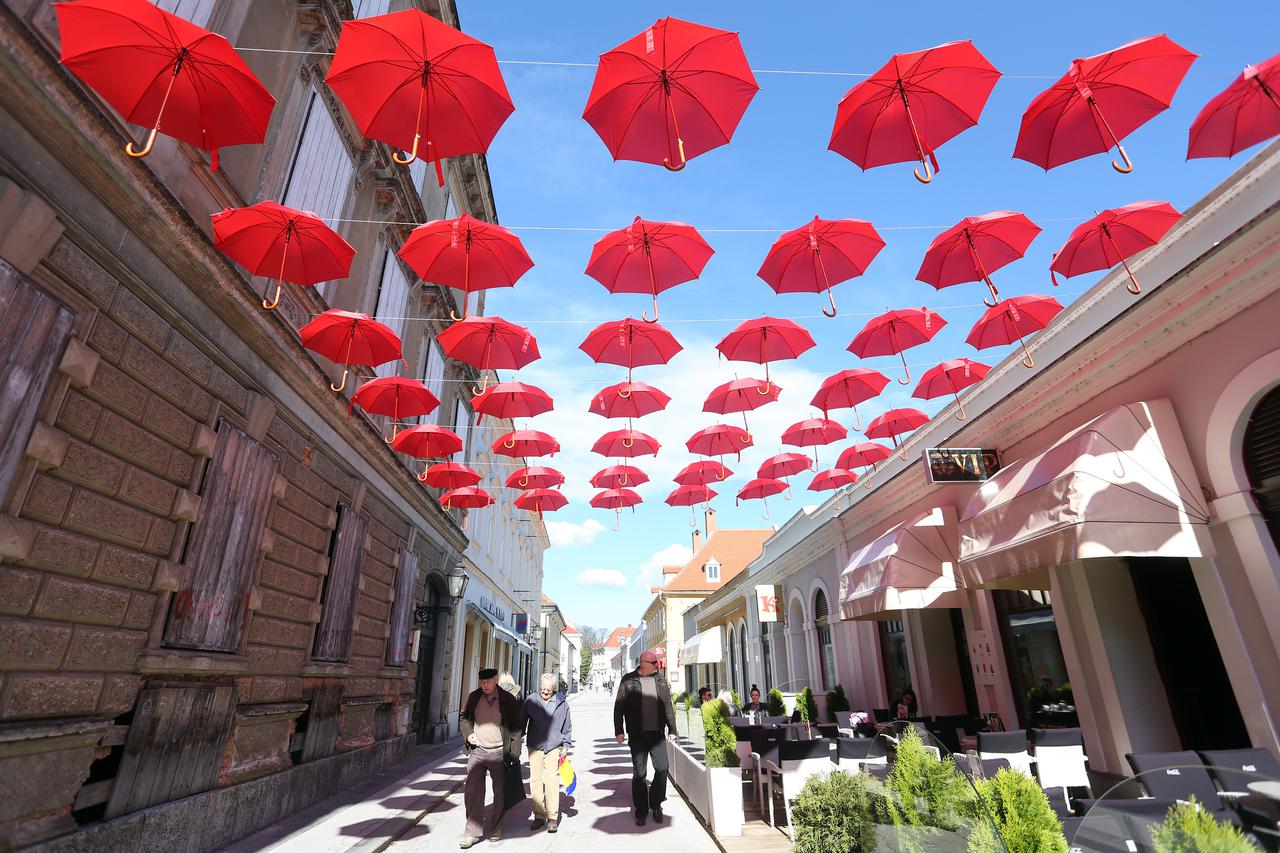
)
(1242, 115)
(672, 92)
(820, 254)
(408, 78)
(688, 495)
(702, 472)
(450, 475)
(525, 442)
(783, 465)
(630, 343)
(648, 257)
(894, 423)
(269, 239)
(627, 443)
(1113, 237)
(467, 254)
(834, 478)
(617, 476)
(539, 501)
(975, 247)
(467, 497)
(894, 332)
(912, 105)
(1101, 100)
(741, 395)
(864, 454)
(157, 69)
(765, 339)
(629, 400)
(759, 489)
(813, 432)
(535, 477)
(347, 338)
(616, 500)
(1011, 321)
(426, 441)
(950, 377)
(848, 388)
(395, 397)
(718, 440)
(512, 400)
(489, 343)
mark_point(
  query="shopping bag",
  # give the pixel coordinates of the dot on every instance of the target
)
(567, 777)
(513, 786)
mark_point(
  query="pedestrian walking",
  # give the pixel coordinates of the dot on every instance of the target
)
(548, 735)
(644, 704)
(491, 727)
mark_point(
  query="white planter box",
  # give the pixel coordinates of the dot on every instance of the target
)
(724, 790)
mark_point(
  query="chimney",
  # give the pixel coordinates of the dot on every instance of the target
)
(711, 523)
(697, 540)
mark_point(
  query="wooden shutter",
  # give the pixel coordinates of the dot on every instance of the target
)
(393, 304)
(222, 555)
(1261, 459)
(341, 586)
(402, 609)
(432, 375)
(195, 11)
(33, 333)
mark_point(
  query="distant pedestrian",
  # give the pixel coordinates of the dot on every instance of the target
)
(491, 728)
(548, 734)
(644, 705)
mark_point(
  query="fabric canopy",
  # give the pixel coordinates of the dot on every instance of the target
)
(1122, 485)
(500, 631)
(702, 648)
(910, 567)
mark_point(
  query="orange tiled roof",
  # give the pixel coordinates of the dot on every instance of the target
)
(619, 635)
(733, 549)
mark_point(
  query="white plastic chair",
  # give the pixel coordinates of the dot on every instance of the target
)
(798, 761)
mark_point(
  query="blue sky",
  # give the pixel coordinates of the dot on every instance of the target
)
(550, 171)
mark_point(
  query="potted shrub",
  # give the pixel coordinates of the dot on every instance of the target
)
(922, 795)
(1015, 806)
(777, 706)
(1188, 828)
(837, 704)
(807, 706)
(724, 777)
(833, 815)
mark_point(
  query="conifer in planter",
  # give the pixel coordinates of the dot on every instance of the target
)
(837, 702)
(807, 706)
(1188, 828)
(833, 815)
(722, 744)
(777, 707)
(922, 795)
(1015, 806)
(724, 778)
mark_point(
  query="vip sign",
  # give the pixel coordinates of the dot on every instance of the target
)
(769, 604)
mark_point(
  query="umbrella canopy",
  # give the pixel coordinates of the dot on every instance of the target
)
(630, 343)
(912, 105)
(894, 423)
(820, 254)
(702, 472)
(1012, 320)
(688, 495)
(427, 441)
(813, 432)
(535, 477)
(765, 339)
(395, 397)
(975, 247)
(864, 454)
(783, 465)
(894, 332)
(270, 239)
(629, 400)
(489, 343)
(466, 497)
(1101, 100)
(833, 478)
(512, 400)
(1242, 115)
(670, 93)
(950, 377)
(157, 69)
(627, 443)
(616, 499)
(741, 395)
(718, 440)
(408, 78)
(450, 475)
(848, 388)
(1112, 237)
(467, 254)
(347, 338)
(541, 500)
(525, 442)
(648, 257)
(617, 476)
(761, 487)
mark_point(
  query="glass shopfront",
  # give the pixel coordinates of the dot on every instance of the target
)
(1036, 667)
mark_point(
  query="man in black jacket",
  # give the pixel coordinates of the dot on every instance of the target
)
(644, 704)
(492, 726)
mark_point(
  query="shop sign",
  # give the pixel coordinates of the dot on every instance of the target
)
(982, 658)
(960, 464)
(494, 609)
(522, 623)
(769, 603)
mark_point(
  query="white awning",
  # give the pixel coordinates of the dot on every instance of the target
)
(702, 648)
(910, 567)
(500, 631)
(1122, 485)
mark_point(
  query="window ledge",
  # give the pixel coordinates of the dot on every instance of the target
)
(192, 661)
(327, 669)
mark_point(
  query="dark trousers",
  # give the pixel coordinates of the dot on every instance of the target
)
(650, 746)
(482, 763)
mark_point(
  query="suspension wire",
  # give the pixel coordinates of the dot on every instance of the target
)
(601, 230)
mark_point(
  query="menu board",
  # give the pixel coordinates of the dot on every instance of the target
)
(960, 464)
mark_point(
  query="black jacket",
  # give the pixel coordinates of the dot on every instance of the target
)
(626, 707)
(512, 723)
(758, 707)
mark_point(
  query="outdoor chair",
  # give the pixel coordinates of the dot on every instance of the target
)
(827, 730)
(776, 721)
(880, 715)
(797, 761)
(1011, 746)
(855, 754)
(1060, 765)
(1176, 775)
(947, 730)
(744, 736)
(764, 748)
(1117, 826)
(1234, 769)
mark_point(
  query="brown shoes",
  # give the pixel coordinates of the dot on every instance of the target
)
(537, 824)
(553, 825)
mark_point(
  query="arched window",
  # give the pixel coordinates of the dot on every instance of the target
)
(744, 680)
(1262, 459)
(826, 655)
(732, 674)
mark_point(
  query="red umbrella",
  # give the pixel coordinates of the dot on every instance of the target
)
(783, 465)
(1101, 100)
(347, 338)
(670, 93)
(864, 454)
(894, 332)
(648, 257)
(718, 440)
(616, 476)
(270, 239)
(702, 472)
(450, 475)
(950, 377)
(426, 441)
(408, 76)
(688, 495)
(912, 105)
(819, 254)
(759, 489)
(975, 247)
(467, 254)
(741, 395)
(539, 501)
(154, 67)
(630, 343)
(525, 442)
(1244, 114)
(535, 477)
(848, 388)
(834, 478)
(764, 340)
(512, 400)
(1112, 237)
(812, 432)
(1011, 320)
(396, 397)
(616, 500)
(626, 442)
(629, 400)
(467, 497)
(489, 343)
(894, 423)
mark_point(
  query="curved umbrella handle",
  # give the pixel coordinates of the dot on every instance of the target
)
(422, 478)
(413, 152)
(995, 295)
(1128, 164)
(746, 439)
(343, 383)
(466, 519)
(693, 519)
(832, 300)
(720, 473)
(766, 515)
(857, 419)
(484, 383)
(622, 481)
(624, 394)
(509, 444)
(270, 306)
(647, 319)
(928, 172)
(524, 481)
(905, 369)
(466, 297)
(617, 520)
(666, 161)
(417, 123)
(151, 137)
(629, 442)
(787, 495)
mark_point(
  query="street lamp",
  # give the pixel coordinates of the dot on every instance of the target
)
(425, 614)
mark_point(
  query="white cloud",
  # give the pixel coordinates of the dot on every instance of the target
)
(672, 555)
(566, 534)
(602, 577)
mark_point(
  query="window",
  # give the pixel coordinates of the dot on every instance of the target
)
(393, 303)
(1262, 459)
(713, 570)
(432, 371)
(402, 609)
(826, 650)
(369, 8)
(341, 587)
(463, 427)
(321, 172)
(197, 12)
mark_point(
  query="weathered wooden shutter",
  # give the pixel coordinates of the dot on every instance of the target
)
(321, 172)
(402, 609)
(341, 586)
(432, 375)
(33, 333)
(222, 556)
(393, 304)
(195, 11)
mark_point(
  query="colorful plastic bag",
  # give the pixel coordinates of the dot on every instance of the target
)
(568, 778)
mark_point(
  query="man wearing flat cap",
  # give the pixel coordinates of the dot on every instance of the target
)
(491, 727)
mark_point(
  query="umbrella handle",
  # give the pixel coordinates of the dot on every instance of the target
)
(1128, 164)
(617, 520)
(857, 419)
(509, 444)
(629, 442)
(766, 515)
(151, 137)
(787, 495)
(831, 299)
(466, 519)
(693, 519)
(343, 383)
(484, 383)
(270, 306)
(646, 318)
(417, 123)
(1133, 286)
(959, 414)
(524, 481)
(466, 297)
(720, 473)
(928, 172)
(622, 481)
(624, 394)
(666, 161)
(905, 369)
(822, 267)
